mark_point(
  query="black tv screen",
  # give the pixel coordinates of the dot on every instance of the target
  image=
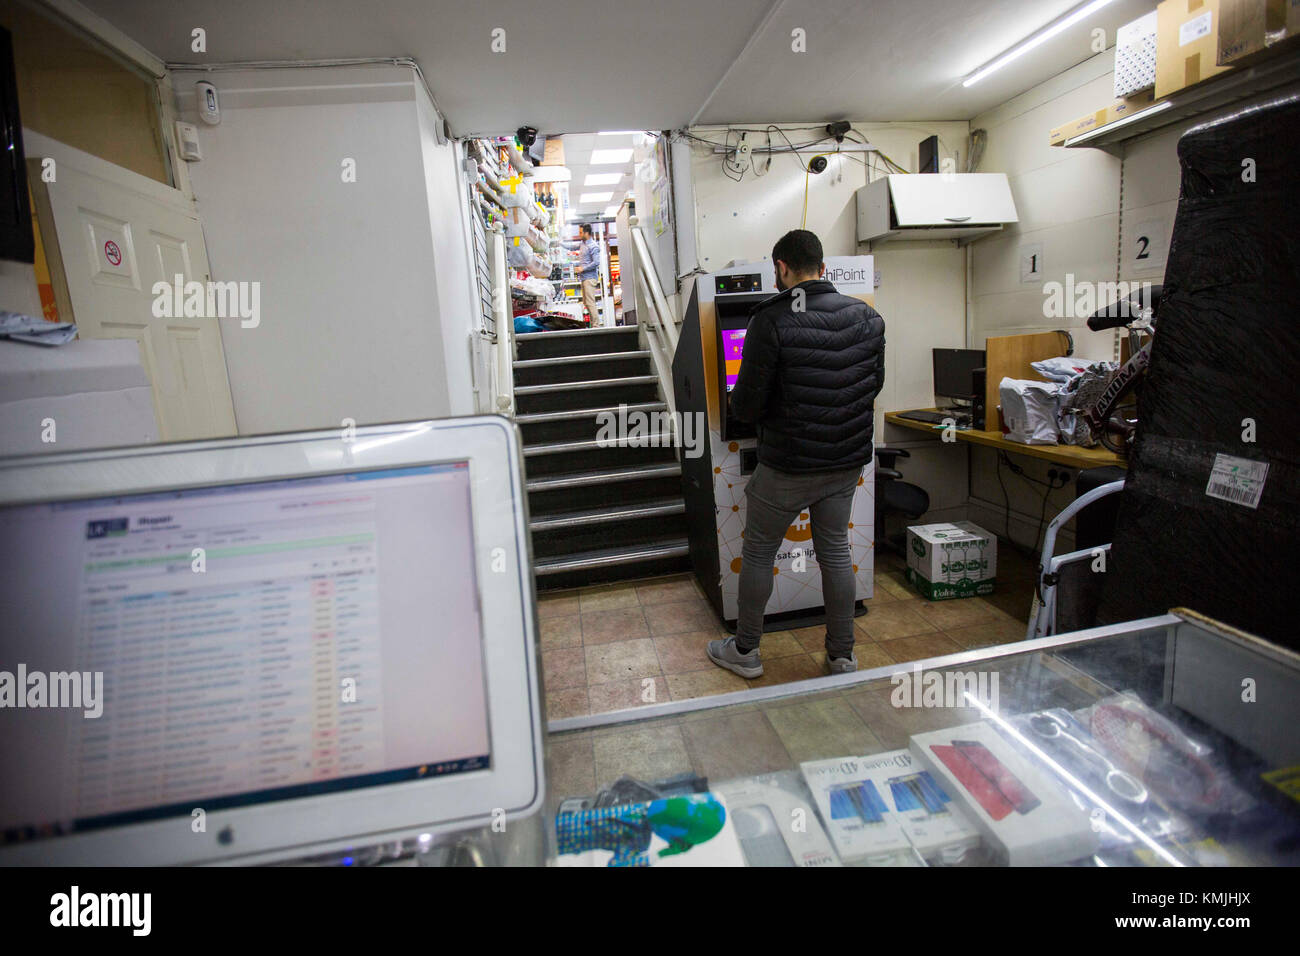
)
(16, 240)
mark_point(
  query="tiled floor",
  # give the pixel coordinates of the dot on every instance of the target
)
(626, 645)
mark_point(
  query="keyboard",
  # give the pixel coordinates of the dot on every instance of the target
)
(936, 418)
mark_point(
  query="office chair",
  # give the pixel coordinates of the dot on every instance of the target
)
(894, 494)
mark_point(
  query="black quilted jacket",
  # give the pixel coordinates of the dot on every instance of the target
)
(809, 379)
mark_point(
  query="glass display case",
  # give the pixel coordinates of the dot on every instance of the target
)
(1167, 741)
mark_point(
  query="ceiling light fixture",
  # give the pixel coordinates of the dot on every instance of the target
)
(602, 179)
(1042, 36)
(594, 197)
(610, 157)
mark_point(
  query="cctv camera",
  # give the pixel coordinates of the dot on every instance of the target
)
(818, 164)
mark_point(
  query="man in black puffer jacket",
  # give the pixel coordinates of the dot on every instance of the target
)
(813, 363)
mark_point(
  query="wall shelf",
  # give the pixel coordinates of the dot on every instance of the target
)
(1223, 90)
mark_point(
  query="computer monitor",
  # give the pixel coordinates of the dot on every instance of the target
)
(266, 648)
(954, 373)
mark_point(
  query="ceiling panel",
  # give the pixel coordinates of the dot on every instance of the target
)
(575, 65)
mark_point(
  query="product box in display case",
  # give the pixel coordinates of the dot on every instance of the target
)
(931, 821)
(765, 810)
(1027, 817)
(951, 560)
(857, 815)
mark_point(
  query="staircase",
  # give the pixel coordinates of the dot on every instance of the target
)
(597, 513)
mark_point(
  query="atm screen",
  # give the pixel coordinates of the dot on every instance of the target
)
(733, 343)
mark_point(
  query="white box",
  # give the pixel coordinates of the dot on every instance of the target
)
(765, 810)
(1135, 56)
(951, 560)
(932, 822)
(1026, 815)
(856, 814)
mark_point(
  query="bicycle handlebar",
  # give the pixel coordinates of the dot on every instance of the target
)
(1123, 311)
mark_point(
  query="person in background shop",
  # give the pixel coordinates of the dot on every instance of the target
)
(813, 364)
(588, 268)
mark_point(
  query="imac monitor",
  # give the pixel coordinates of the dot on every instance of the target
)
(954, 373)
(314, 642)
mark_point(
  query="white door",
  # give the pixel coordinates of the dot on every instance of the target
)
(118, 233)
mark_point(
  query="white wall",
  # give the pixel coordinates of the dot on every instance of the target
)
(922, 285)
(364, 285)
(1084, 210)
(18, 291)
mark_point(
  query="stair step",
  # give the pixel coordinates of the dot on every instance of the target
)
(564, 360)
(608, 557)
(552, 387)
(573, 519)
(583, 479)
(656, 439)
(538, 417)
(569, 333)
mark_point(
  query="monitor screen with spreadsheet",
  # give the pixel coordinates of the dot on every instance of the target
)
(236, 645)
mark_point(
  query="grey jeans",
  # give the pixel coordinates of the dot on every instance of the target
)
(773, 499)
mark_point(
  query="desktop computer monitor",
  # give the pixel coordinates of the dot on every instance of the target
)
(954, 373)
(266, 648)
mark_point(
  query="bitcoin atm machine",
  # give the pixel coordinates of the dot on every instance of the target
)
(716, 470)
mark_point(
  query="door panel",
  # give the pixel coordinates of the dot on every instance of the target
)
(119, 234)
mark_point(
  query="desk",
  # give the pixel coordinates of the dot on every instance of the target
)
(1072, 456)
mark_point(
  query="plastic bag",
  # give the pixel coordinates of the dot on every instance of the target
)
(1060, 369)
(1080, 393)
(1029, 409)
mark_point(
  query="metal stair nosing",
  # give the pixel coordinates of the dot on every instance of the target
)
(572, 359)
(582, 519)
(582, 479)
(586, 560)
(576, 413)
(589, 384)
(656, 439)
(570, 333)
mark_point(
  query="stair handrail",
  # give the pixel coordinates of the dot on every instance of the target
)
(659, 323)
(662, 314)
(505, 324)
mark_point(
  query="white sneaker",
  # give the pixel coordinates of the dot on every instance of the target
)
(725, 654)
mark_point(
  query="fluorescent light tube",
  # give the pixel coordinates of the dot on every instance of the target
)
(1038, 38)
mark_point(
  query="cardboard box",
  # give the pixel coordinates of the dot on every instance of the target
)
(951, 560)
(1117, 109)
(1253, 30)
(1187, 44)
(1135, 56)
